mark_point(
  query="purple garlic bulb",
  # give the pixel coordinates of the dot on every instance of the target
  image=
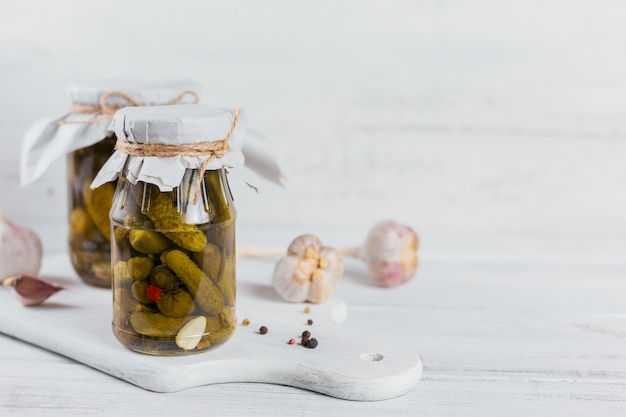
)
(390, 252)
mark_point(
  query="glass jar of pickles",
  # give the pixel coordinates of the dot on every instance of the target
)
(83, 135)
(173, 228)
(89, 228)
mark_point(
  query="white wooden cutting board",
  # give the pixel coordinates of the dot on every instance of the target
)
(76, 323)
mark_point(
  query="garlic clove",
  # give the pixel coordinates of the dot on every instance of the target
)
(332, 261)
(32, 290)
(329, 270)
(291, 278)
(191, 333)
(20, 249)
(322, 286)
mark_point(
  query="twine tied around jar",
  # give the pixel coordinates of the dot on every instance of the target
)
(107, 111)
(215, 149)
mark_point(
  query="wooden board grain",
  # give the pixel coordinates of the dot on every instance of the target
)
(76, 324)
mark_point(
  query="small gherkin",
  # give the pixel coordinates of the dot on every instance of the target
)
(176, 304)
(157, 324)
(207, 295)
(138, 290)
(121, 275)
(216, 196)
(219, 328)
(139, 267)
(164, 278)
(168, 221)
(81, 226)
(148, 242)
(98, 203)
(210, 260)
(123, 305)
(226, 283)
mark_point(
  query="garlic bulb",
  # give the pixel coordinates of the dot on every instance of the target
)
(390, 252)
(308, 272)
(20, 250)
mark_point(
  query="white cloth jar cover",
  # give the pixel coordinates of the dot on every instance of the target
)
(169, 125)
(53, 137)
(50, 138)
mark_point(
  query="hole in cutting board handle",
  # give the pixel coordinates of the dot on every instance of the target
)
(372, 357)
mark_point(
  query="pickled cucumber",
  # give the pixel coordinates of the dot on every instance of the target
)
(164, 278)
(149, 242)
(219, 328)
(176, 304)
(167, 219)
(124, 304)
(98, 203)
(224, 319)
(157, 324)
(139, 267)
(207, 295)
(122, 277)
(209, 260)
(137, 221)
(81, 226)
(226, 282)
(120, 234)
(217, 338)
(139, 291)
(216, 193)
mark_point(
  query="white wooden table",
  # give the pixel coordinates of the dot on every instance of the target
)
(505, 325)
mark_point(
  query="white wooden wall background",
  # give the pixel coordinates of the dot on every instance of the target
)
(450, 115)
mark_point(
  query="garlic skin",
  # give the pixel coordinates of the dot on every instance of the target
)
(308, 272)
(323, 279)
(20, 249)
(291, 278)
(305, 246)
(390, 252)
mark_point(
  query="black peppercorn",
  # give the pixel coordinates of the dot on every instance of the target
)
(263, 330)
(309, 322)
(312, 343)
(306, 334)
